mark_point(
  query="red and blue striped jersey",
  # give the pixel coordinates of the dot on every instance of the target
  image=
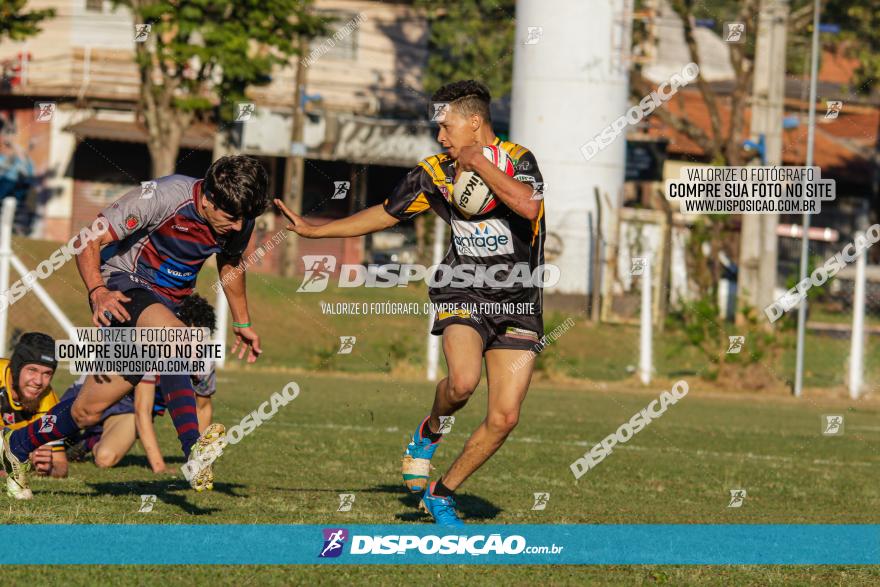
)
(162, 241)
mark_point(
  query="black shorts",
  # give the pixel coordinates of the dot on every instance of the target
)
(498, 331)
(142, 297)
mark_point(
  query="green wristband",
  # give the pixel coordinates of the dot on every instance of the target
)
(245, 325)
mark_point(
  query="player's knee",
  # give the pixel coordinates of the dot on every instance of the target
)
(104, 459)
(461, 387)
(503, 421)
(83, 416)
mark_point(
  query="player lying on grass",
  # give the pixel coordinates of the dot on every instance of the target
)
(511, 233)
(132, 417)
(26, 396)
(137, 274)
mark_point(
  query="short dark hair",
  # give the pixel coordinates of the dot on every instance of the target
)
(238, 185)
(467, 96)
(197, 312)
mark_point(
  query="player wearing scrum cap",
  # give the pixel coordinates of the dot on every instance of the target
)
(26, 397)
(511, 233)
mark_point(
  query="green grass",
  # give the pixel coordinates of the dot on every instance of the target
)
(345, 434)
(346, 431)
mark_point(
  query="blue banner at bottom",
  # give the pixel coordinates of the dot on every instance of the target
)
(628, 544)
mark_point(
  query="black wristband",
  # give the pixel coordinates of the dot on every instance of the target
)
(97, 287)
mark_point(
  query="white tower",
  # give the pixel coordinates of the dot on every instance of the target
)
(570, 80)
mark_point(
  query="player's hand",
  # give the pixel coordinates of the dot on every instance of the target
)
(41, 459)
(247, 341)
(470, 158)
(105, 300)
(297, 224)
(160, 468)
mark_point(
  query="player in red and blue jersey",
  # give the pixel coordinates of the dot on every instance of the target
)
(159, 238)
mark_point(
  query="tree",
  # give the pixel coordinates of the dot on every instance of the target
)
(471, 39)
(18, 25)
(202, 55)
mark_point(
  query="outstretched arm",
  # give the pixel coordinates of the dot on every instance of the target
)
(372, 219)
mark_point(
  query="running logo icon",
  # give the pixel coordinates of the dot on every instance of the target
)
(446, 423)
(734, 32)
(736, 344)
(142, 32)
(244, 111)
(318, 270)
(47, 423)
(334, 539)
(44, 111)
(541, 500)
(439, 112)
(147, 503)
(834, 108)
(832, 425)
(737, 497)
(340, 190)
(346, 345)
(346, 501)
(638, 266)
(148, 189)
(534, 35)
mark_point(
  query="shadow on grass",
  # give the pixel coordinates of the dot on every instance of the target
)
(131, 460)
(173, 492)
(471, 507)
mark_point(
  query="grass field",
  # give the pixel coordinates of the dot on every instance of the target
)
(345, 434)
(347, 429)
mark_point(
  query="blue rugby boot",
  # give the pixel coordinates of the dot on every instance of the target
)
(417, 460)
(442, 509)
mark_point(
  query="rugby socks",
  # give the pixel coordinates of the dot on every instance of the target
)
(426, 432)
(180, 400)
(55, 425)
(91, 441)
(441, 490)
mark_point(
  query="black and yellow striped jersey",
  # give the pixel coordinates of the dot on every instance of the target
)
(15, 415)
(499, 237)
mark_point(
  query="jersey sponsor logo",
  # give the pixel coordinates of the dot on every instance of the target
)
(180, 228)
(172, 273)
(132, 222)
(482, 239)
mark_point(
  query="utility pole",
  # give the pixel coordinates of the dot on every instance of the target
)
(294, 164)
(758, 242)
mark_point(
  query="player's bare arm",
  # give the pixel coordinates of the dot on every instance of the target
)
(144, 396)
(372, 219)
(516, 195)
(246, 338)
(88, 262)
